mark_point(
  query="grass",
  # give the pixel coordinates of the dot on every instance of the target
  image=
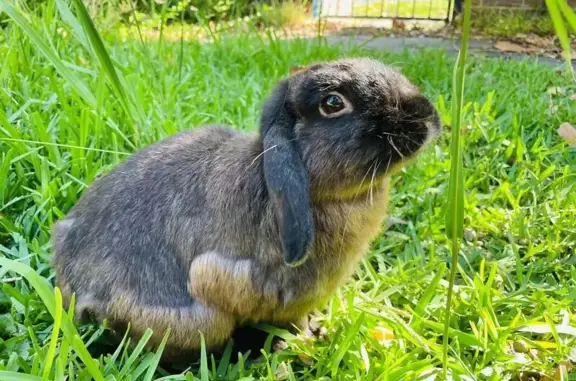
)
(563, 17)
(286, 14)
(455, 201)
(496, 23)
(513, 307)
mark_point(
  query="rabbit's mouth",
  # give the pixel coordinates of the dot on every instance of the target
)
(415, 134)
(402, 144)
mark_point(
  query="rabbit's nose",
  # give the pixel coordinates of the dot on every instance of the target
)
(418, 107)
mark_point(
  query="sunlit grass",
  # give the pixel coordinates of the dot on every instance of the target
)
(62, 124)
(455, 201)
(563, 18)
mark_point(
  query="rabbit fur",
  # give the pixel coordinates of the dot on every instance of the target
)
(212, 227)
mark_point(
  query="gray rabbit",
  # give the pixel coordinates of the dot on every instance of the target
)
(212, 228)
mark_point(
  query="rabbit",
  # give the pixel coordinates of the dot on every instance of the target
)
(214, 228)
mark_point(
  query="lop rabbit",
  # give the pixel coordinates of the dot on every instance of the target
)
(212, 227)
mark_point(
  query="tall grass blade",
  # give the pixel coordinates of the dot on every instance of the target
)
(59, 373)
(135, 353)
(67, 16)
(568, 14)
(47, 51)
(89, 362)
(455, 204)
(204, 372)
(15, 376)
(345, 344)
(4, 172)
(430, 291)
(561, 31)
(130, 108)
(49, 359)
(156, 360)
(225, 359)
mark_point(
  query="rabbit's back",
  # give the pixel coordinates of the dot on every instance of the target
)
(135, 231)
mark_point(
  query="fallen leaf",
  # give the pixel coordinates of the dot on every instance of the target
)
(521, 346)
(568, 133)
(295, 69)
(382, 334)
(563, 369)
(307, 360)
(282, 372)
(469, 235)
(398, 24)
(556, 90)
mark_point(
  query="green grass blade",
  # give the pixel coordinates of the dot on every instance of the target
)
(39, 358)
(49, 359)
(108, 68)
(561, 31)
(345, 344)
(455, 206)
(430, 291)
(45, 49)
(15, 376)
(4, 171)
(135, 353)
(88, 149)
(59, 373)
(89, 362)
(463, 338)
(156, 360)
(143, 363)
(117, 352)
(204, 372)
(67, 16)
(568, 14)
(44, 290)
(225, 360)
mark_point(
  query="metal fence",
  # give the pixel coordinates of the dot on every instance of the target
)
(438, 10)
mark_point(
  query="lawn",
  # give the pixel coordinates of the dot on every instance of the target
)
(65, 120)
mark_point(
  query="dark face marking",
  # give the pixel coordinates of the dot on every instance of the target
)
(387, 120)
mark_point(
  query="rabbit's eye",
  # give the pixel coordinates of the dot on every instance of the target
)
(333, 104)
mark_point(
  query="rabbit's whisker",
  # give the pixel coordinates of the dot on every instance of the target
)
(350, 209)
(399, 136)
(388, 165)
(395, 148)
(266, 150)
(424, 119)
(372, 182)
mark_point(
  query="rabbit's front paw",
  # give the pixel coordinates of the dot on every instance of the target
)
(225, 283)
(311, 328)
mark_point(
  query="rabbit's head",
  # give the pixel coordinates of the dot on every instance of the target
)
(332, 131)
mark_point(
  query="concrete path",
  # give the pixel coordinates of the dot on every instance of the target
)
(398, 44)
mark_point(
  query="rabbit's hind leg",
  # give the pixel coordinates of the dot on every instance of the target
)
(186, 324)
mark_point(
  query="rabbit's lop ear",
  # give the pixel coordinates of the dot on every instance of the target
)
(286, 177)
